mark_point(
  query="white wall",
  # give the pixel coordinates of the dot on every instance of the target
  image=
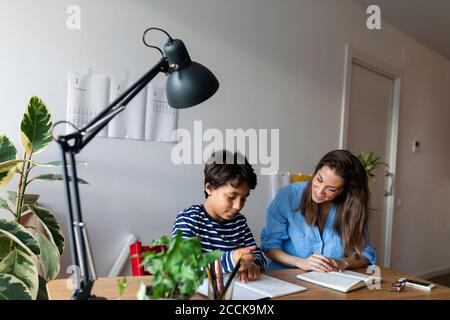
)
(280, 65)
(422, 218)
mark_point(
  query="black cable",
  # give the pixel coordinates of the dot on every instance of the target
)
(154, 47)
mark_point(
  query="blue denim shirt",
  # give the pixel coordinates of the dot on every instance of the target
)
(287, 229)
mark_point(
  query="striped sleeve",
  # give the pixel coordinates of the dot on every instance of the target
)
(185, 225)
(259, 260)
(227, 261)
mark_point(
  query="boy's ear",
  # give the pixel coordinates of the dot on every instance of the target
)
(207, 188)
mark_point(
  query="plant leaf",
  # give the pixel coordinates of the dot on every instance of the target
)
(51, 226)
(57, 164)
(12, 197)
(20, 235)
(159, 241)
(35, 127)
(208, 257)
(56, 177)
(178, 271)
(30, 199)
(8, 152)
(4, 204)
(49, 257)
(20, 265)
(122, 286)
(4, 246)
(42, 292)
(7, 149)
(12, 288)
(7, 170)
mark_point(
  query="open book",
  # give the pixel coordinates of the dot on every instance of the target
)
(345, 281)
(263, 288)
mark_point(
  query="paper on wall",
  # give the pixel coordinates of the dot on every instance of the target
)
(147, 116)
(87, 96)
(135, 115)
(77, 111)
(98, 98)
(117, 128)
(161, 119)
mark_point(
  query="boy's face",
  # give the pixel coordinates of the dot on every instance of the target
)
(225, 202)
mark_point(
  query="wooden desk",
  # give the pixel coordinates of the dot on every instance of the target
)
(389, 276)
(109, 288)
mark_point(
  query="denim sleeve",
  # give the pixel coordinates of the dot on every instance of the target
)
(369, 252)
(276, 229)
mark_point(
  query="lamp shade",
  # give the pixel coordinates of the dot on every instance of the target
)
(190, 83)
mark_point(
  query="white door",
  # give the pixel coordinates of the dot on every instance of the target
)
(370, 126)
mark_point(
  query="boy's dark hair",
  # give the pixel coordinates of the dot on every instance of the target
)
(223, 167)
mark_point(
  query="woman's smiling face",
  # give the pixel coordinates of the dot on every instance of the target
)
(326, 185)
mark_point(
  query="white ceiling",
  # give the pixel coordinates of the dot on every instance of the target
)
(427, 21)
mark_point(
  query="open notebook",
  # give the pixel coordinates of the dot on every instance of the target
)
(345, 281)
(263, 288)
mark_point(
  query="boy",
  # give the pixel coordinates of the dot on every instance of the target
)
(218, 222)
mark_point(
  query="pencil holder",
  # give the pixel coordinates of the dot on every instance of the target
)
(228, 294)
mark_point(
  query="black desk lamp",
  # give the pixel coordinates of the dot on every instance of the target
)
(188, 84)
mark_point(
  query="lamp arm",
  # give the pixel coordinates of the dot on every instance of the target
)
(70, 145)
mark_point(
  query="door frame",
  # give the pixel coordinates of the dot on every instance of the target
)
(353, 55)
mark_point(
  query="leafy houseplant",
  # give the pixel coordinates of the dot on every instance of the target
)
(178, 271)
(31, 241)
(370, 162)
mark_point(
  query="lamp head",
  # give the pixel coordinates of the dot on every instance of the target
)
(189, 83)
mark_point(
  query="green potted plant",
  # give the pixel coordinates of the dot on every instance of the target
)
(178, 271)
(31, 240)
(370, 162)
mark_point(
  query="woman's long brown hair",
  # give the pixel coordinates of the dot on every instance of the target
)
(352, 213)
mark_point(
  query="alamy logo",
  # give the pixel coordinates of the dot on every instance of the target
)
(190, 150)
(375, 273)
(374, 20)
(73, 281)
(74, 19)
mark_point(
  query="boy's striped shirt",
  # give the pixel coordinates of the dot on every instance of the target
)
(218, 235)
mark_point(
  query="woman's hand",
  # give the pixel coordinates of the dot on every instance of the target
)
(250, 274)
(340, 264)
(317, 262)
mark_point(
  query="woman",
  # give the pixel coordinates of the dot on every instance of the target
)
(321, 224)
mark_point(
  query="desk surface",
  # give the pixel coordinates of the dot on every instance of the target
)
(109, 288)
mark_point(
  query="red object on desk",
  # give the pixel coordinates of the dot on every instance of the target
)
(136, 250)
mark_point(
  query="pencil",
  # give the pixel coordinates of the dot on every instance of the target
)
(214, 281)
(230, 279)
(208, 272)
(219, 275)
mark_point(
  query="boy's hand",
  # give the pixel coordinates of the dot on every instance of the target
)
(247, 257)
(250, 274)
